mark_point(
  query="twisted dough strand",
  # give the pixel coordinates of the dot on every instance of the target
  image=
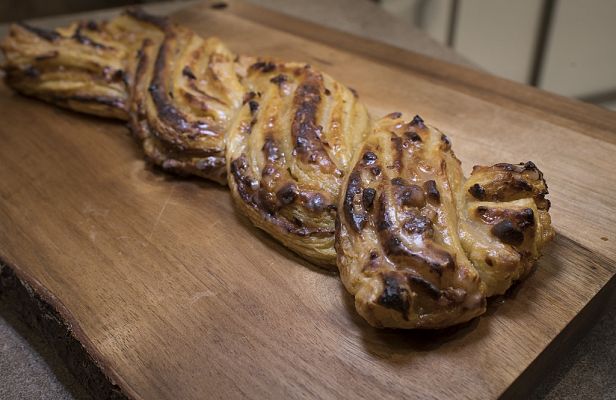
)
(417, 244)
(421, 248)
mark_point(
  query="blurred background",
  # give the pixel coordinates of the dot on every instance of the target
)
(563, 46)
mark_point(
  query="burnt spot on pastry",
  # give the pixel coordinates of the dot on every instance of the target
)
(435, 259)
(314, 201)
(521, 185)
(422, 284)
(304, 129)
(211, 163)
(268, 170)
(411, 196)
(271, 150)
(79, 37)
(373, 262)
(384, 220)
(263, 66)
(49, 35)
(140, 15)
(111, 75)
(31, 72)
(429, 255)
(279, 79)
(357, 220)
(181, 164)
(266, 201)
(432, 191)
(167, 112)
(523, 218)
(287, 194)
(477, 191)
(142, 58)
(47, 56)
(192, 85)
(398, 181)
(418, 122)
(508, 225)
(398, 147)
(187, 72)
(120, 75)
(394, 115)
(418, 225)
(369, 158)
(327, 92)
(395, 294)
(297, 72)
(446, 142)
(412, 136)
(254, 106)
(91, 25)
(244, 183)
(248, 96)
(367, 198)
(508, 233)
(108, 101)
(457, 296)
(519, 168)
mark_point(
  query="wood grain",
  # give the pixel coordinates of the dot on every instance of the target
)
(174, 295)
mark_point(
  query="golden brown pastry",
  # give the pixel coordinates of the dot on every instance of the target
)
(293, 132)
(186, 91)
(414, 246)
(178, 90)
(81, 67)
(287, 152)
(418, 245)
(504, 222)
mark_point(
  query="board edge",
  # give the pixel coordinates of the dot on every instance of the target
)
(562, 344)
(47, 317)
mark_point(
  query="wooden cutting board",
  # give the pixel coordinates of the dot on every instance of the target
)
(157, 283)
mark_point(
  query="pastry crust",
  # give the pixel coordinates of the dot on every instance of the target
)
(80, 67)
(287, 152)
(504, 222)
(177, 90)
(414, 246)
(417, 244)
(186, 91)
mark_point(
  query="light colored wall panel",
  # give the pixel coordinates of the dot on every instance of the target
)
(431, 16)
(499, 35)
(581, 55)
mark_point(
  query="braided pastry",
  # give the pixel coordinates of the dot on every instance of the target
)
(416, 243)
(421, 248)
(287, 152)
